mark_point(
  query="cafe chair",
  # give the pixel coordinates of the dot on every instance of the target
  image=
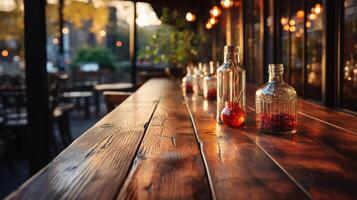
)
(114, 98)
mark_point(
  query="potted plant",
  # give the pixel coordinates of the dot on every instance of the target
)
(173, 45)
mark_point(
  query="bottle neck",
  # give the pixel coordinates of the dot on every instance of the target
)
(231, 57)
(276, 73)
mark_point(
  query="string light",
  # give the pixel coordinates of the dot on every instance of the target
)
(292, 28)
(227, 3)
(308, 24)
(119, 43)
(215, 11)
(283, 21)
(300, 14)
(292, 22)
(208, 25)
(190, 17)
(65, 30)
(317, 8)
(312, 16)
(5, 53)
(286, 27)
(102, 33)
(212, 21)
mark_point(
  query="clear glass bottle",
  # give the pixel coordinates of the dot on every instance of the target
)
(187, 81)
(231, 89)
(198, 80)
(210, 83)
(276, 104)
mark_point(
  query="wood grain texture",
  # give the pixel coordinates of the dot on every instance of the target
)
(239, 169)
(168, 164)
(96, 164)
(332, 135)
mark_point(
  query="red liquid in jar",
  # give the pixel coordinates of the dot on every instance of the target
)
(282, 122)
(232, 115)
(188, 88)
(211, 94)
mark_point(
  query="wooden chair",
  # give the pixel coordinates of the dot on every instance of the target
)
(114, 98)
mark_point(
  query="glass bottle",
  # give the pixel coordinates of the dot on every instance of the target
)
(275, 104)
(198, 81)
(231, 89)
(210, 83)
(187, 81)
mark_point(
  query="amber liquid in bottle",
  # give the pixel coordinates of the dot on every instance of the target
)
(231, 89)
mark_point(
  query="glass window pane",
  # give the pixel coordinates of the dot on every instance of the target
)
(296, 23)
(349, 67)
(314, 30)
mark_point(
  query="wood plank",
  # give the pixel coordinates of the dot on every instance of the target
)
(338, 139)
(239, 169)
(320, 157)
(324, 173)
(96, 164)
(168, 164)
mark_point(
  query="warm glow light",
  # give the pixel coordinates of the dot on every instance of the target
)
(212, 21)
(65, 30)
(102, 33)
(55, 41)
(317, 8)
(227, 3)
(208, 25)
(283, 21)
(215, 11)
(292, 22)
(190, 17)
(300, 14)
(119, 43)
(292, 28)
(4, 53)
(308, 24)
(286, 27)
(312, 16)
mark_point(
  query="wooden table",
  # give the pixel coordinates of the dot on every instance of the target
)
(160, 145)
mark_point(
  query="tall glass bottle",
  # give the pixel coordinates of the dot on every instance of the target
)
(210, 83)
(198, 80)
(187, 81)
(231, 89)
(275, 104)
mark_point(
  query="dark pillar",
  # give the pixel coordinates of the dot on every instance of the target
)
(329, 88)
(60, 39)
(133, 50)
(37, 137)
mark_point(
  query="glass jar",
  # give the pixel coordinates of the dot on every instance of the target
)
(231, 89)
(198, 81)
(275, 104)
(210, 83)
(187, 81)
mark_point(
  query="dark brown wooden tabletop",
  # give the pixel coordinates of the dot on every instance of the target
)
(161, 144)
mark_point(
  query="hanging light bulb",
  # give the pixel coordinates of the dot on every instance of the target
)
(208, 25)
(284, 20)
(317, 8)
(227, 3)
(215, 11)
(190, 17)
(212, 20)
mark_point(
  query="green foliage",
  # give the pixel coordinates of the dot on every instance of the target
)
(174, 44)
(102, 56)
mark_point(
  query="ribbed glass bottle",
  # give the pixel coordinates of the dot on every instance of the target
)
(231, 89)
(275, 104)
